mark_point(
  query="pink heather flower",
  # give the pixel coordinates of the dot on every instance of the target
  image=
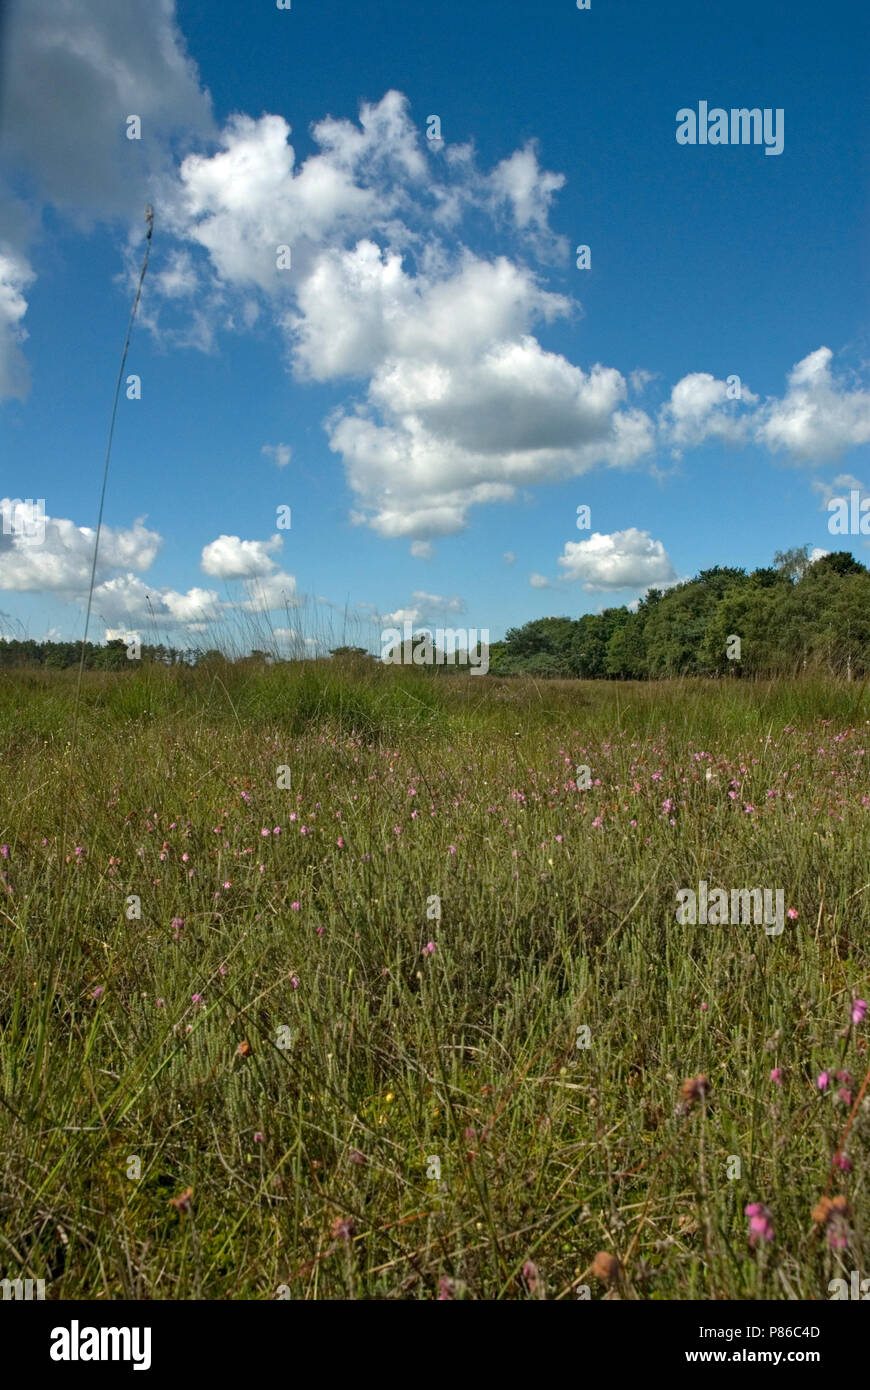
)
(859, 1009)
(294, 907)
(294, 982)
(843, 1162)
(196, 999)
(303, 829)
(340, 842)
(4, 850)
(177, 923)
(429, 948)
(276, 830)
(185, 858)
(823, 1081)
(792, 913)
(97, 992)
(258, 1138)
(704, 1008)
(558, 839)
(845, 1096)
(451, 849)
(760, 1223)
(229, 883)
(160, 1003)
(776, 1076)
(265, 834)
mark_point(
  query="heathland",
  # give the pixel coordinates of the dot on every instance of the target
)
(325, 980)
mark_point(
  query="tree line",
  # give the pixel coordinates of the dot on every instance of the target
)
(795, 615)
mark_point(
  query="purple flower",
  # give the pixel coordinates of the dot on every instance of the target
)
(760, 1223)
(823, 1081)
(859, 1009)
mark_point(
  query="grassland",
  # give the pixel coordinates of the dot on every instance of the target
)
(274, 1032)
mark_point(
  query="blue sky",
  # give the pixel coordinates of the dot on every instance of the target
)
(449, 385)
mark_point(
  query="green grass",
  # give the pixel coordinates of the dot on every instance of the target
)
(548, 1152)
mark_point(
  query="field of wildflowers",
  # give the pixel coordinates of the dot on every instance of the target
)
(320, 984)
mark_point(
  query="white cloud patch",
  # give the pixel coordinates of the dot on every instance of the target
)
(462, 403)
(71, 75)
(280, 454)
(700, 409)
(61, 562)
(820, 417)
(628, 559)
(231, 558)
(270, 593)
(127, 601)
(841, 486)
(15, 277)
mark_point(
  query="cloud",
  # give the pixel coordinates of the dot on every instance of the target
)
(509, 557)
(422, 550)
(126, 601)
(424, 605)
(15, 277)
(231, 558)
(435, 603)
(61, 563)
(628, 559)
(540, 581)
(269, 593)
(72, 74)
(820, 417)
(280, 454)
(528, 190)
(179, 279)
(841, 486)
(700, 408)
(461, 402)
(402, 615)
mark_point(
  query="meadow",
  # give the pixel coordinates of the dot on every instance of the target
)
(422, 1024)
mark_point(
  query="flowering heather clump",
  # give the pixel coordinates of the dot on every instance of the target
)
(833, 1215)
(760, 1223)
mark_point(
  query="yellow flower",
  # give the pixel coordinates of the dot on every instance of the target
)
(389, 1097)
